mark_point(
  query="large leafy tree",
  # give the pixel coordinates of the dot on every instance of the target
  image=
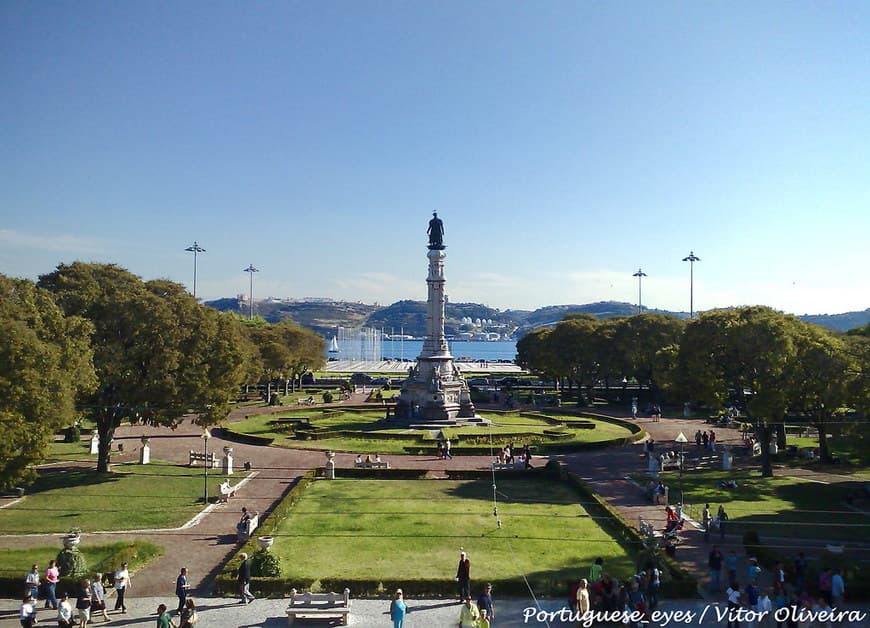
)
(45, 362)
(575, 346)
(744, 354)
(157, 353)
(822, 380)
(534, 352)
(637, 341)
(286, 350)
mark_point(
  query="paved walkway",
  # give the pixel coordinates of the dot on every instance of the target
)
(205, 547)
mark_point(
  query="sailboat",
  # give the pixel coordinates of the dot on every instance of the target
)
(333, 349)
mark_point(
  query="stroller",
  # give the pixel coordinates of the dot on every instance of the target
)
(672, 529)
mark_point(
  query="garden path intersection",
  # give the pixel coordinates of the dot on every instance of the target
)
(208, 542)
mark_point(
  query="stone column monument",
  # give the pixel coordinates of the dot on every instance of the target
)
(435, 392)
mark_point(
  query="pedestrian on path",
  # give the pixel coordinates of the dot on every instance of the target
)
(182, 586)
(244, 580)
(447, 453)
(469, 616)
(98, 597)
(722, 517)
(706, 518)
(64, 612)
(32, 582)
(188, 616)
(714, 562)
(484, 602)
(83, 603)
(163, 618)
(398, 609)
(27, 612)
(463, 576)
(52, 577)
(122, 584)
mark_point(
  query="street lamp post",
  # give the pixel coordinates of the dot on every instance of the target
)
(194, 248)
(682, 440)
(205, 436)
(251, 270)
(692, 258)
(640, 275)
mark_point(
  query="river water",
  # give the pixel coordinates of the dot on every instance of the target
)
(476, 350)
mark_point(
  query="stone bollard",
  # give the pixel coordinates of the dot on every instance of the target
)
(145, 452)
(330, 465)
(95, 443)
(228, 460)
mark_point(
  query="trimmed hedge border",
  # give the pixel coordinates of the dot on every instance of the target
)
(677, 582)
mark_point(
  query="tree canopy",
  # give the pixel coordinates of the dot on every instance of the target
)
(45, 362)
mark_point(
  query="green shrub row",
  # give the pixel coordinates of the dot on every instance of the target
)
(246, 439)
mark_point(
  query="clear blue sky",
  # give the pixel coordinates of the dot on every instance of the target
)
(565, 145)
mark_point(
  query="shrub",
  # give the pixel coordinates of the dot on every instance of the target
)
(327, 397)
(73, 434)
(264, 563)
(71, 563)
(553, 470)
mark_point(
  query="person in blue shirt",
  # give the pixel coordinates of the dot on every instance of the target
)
(398, 610)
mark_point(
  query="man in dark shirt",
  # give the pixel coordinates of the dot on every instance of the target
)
(463, 577)
(244, 580)
(484, 602)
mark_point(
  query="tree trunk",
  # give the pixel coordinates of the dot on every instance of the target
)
(780, 436)
(764, 433)
(824, 452)
(106, 431)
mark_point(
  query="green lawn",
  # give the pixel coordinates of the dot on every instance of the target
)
(397, 529)
(158, 495)
(505, 428)
(100, 558)
(778, 506)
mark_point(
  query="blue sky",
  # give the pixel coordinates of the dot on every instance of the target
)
(565, 145)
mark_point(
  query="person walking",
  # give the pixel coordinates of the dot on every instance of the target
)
(188, 616)
(714, 562)
(182, 586)
(98, 597)
(838, 588)
(463, 576)
(469, 616)
(447, 454)
(706, 518)
(122, 584)
(722, 517)
(398, 609)
(52, 577)
(64, 612)
(83, 603)
(583, 604)
(27, 612)
(484, 603)
(244, 580)
(163, 618)
(32, 582)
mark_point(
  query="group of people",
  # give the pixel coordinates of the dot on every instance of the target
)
(601, 592)
(790, 588)
(509, 455)
(77, 610)
(705, 439)
(359, 460)
(444, 449)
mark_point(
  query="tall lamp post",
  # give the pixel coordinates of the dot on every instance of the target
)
(251, 270)
(682, 440)
(640, 275)
(692, 258)
(205, 436)
(194, 248)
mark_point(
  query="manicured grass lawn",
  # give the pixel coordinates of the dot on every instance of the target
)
(158, 495)
(775, 507)
(506, 428)
(100, 558)
(398, 529)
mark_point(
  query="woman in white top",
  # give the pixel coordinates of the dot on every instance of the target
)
(64, 612)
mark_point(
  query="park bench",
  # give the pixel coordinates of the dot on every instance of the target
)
(247, 530)
(508, 466)
(309, 401)
(209, 459)
(371, 465)
(319, 605)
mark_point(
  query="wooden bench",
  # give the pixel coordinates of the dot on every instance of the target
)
(197, 458)
(319, 605)
(671, 463)
(371, 465)
(246, 531)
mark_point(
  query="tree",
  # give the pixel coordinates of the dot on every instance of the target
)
(158, 354)
(637, 340)
(744, 355)
(45, 362)
(575, 346)
(534, 353)
(286, 350)
(822, 379)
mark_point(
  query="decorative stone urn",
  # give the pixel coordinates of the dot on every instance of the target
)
(71, 540)
(266, 541)
(145, 439)
(228, 450)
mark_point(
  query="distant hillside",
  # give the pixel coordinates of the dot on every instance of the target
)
(410, 316)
